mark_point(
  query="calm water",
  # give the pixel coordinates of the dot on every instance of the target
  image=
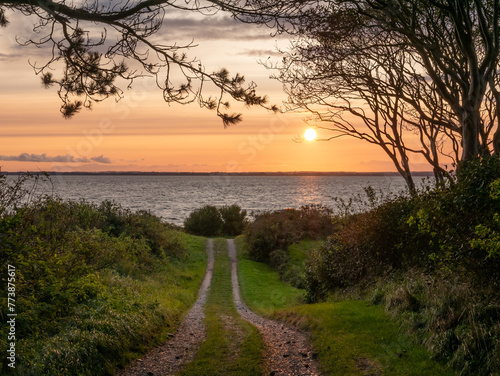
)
(174, 197)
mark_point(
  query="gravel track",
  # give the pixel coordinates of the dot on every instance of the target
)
(288, 350)
(169, 358)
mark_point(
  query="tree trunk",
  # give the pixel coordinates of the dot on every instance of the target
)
(496, 142)
(496, 135)
(470, 133)
(405, 171)
(409, 182)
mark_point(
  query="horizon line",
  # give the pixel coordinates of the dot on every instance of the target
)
(219, 173)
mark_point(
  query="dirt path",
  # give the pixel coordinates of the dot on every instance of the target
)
(289, 351)
(171, 356)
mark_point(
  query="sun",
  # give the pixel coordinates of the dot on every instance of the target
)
(310, 134)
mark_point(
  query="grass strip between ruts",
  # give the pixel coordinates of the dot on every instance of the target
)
(233, 346)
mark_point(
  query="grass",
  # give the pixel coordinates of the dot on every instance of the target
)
(261, 287)
(233, 347)
(299, 251)
(351, 337)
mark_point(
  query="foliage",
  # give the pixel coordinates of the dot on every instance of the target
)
(92, 282)
(234, 220)
(458, 221)
(435, 255)
(487, 234)
(206, 221)
(278, 259)
(278, 230)
(453, 227)
(270, 232)
(212, 221)
(290, 264)
(455, 320)
(366, 246)
(488, 239)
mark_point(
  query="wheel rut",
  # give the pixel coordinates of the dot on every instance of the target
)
(288, 350)
(169, 358)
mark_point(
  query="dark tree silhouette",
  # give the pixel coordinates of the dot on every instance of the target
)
(453, 47)
(95, 44)
(458, 45)
(367, 86)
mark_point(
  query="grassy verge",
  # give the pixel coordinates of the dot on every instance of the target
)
(95, 285)
(233, 346)
(172, 288)
(350, 337)
(128, 316)
(353, 337)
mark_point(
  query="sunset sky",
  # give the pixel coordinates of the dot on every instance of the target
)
(143, 133)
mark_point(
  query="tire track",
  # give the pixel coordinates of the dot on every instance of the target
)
(169, 358)
(288, 350)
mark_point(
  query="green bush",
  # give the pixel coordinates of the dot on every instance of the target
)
(456, 321)
(212, 221)
(459, 222)
(367, 246)
(315, 221)
(205, 221)
(159, 237)
(279, 260)
(454, 227)
(487, 234)
(295, 276)
(115, 217)
(270, 232)
(278, 230)
(326, 270)
(234, 220)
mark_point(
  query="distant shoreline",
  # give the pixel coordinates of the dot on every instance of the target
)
(277, 173)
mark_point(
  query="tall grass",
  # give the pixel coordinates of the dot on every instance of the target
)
(456, 321)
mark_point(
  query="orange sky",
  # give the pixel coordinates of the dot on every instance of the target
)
(143, 133)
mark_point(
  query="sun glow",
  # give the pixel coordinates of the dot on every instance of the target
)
(310, 134)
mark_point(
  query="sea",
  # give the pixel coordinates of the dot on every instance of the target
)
(173, 197)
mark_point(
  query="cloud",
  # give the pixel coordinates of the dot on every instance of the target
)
(26, 157)
(260, 53)
(219, 27)
(101, 159)
(186, 167)
(6, 57)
